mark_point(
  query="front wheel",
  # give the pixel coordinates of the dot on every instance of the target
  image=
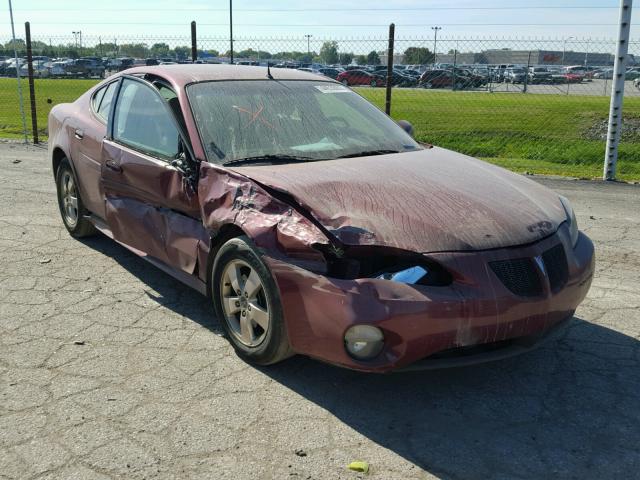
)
(71, 207)
(374, 83)
(345, 82)
(247, 301)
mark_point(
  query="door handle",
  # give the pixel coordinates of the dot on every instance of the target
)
(79, 134)
(111, 165)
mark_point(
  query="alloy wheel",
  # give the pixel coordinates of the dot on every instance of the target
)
(69, 198)
(244, 303)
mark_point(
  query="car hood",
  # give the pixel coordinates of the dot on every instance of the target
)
(426, 201)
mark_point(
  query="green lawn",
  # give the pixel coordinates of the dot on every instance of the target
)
(526, 133)
(535, 133)
(57, 90)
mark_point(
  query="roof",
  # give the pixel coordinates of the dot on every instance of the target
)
(183, 74)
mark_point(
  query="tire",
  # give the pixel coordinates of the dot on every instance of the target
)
(374, 83)
(345, 82)
(267, 341)
(81, 226)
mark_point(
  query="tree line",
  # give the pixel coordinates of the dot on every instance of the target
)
(329, 52)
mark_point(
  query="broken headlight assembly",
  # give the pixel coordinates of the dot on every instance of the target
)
(572, 222)
(385, 263)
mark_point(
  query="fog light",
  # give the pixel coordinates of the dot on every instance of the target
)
(364, 342)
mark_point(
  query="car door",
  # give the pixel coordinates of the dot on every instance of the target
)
(87, 130)
(150, 199)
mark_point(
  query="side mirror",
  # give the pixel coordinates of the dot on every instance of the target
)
(406, 126)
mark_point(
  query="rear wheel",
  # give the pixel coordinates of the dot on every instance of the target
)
(71, 207)
(374, 83)
(247, 301)
(345, 82)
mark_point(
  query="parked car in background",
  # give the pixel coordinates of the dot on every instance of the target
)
(539, 75)
(40, 69)
(330, 72)
(58, 69)
(361, 77)
(436, 79)
(632, 73)
(515, 75)
(605, 74)
(85, 67)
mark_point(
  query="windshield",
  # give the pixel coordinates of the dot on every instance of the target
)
(307, 120)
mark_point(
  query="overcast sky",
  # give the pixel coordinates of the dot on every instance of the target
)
(322, 19)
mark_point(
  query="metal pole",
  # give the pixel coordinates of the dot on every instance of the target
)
(435, 43)
(32, 89)
(231, 30)
(526, 74)
(387, 103)
(617, 92)
(309, 46)
(194, 46)
(455, 64)
(15, 56)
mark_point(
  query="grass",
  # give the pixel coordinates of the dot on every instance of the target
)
(56, 90)
(546, 134)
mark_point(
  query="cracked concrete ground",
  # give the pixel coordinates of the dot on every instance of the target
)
(111, 369)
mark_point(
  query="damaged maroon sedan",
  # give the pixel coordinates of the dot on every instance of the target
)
(315, 224)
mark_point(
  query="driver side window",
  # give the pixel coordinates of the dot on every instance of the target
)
(142, 122)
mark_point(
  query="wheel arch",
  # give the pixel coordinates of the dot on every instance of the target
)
(57, 155)
(225, 233)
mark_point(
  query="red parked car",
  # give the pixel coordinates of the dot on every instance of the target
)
(361, 77)
(313, 222)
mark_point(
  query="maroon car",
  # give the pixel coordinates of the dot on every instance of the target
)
(314, 223)
(360, 78)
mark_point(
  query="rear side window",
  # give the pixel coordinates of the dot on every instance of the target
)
(105, 103)
(142, 121)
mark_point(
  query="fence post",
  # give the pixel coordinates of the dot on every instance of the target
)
(526, 74)
(32, 89)
(617, 92)
(387, 104)
(194, 43)
(455, 65)
(15, 56)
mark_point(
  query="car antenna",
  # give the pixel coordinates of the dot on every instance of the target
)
(269, 76)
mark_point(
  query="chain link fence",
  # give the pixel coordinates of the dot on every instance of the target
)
(533, 105)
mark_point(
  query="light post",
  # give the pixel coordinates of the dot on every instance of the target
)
(308, 46)
(564, 47)
(435, 43)
(231, 31)
(75, 39)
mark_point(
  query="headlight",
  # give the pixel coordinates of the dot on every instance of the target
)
(409, 275)
(571, 220)
(364, 342)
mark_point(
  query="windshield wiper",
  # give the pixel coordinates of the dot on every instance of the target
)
(272, 159)
(369, 153)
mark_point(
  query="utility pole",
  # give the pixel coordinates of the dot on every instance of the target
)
(231, 30)
(15, 56)
(435, 42)
(564, 47)
(308, 46)
(617, 92)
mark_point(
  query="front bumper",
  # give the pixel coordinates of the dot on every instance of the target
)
(419, 321)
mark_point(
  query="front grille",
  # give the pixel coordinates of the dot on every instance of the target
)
(555, 261)
(519, 276)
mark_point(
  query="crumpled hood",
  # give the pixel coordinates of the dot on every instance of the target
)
(426, 201)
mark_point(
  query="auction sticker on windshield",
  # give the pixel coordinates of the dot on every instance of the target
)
(332, 88)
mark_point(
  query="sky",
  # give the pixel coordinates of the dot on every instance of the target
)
(560, 19)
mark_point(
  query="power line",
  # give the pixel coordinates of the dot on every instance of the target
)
(341, 25)
(362, 9)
